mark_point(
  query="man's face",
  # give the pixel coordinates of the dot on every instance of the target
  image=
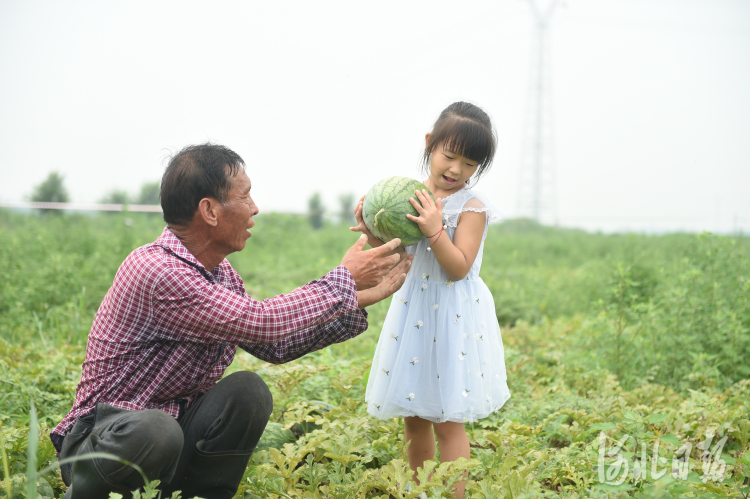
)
(236, 214)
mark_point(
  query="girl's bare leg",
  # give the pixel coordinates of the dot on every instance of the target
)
(453, 444)
(422, 447)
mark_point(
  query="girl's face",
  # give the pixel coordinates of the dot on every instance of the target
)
(449, 171)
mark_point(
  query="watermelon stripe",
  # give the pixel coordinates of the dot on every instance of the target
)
(385, 206)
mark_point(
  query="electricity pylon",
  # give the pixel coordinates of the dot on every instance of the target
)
(537, 196)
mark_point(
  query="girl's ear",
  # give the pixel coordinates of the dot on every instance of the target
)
(427, 140)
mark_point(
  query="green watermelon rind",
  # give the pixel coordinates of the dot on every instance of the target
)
(386, 205)
(306, 426)
(275, 436)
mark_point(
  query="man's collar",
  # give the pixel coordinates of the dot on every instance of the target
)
(169, 241)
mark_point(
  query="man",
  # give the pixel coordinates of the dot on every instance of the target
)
(170, 325)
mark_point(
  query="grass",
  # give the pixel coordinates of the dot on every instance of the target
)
(617, 335)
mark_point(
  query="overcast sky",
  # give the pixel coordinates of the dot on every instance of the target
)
(651, 98)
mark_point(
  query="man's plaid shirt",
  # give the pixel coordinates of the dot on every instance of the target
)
(167, 329)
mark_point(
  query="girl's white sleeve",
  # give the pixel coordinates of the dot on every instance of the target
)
(469, 201)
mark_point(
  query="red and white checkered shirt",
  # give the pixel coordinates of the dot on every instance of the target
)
(167, 329)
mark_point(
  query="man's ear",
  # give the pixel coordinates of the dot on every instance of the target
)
(208, 208)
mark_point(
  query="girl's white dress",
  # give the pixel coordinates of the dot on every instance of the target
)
(440, 353)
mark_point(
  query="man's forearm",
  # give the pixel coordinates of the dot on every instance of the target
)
(309, 340)
(202, 312)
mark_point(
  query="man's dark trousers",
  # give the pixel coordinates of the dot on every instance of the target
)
(203, 453)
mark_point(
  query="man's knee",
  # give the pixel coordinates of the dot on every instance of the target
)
(159, 436)
(250, 394)
(152, 439)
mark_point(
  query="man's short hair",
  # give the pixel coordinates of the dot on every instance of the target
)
(197, 172)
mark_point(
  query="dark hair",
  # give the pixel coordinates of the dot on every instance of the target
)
(196, 172)
(466, 130)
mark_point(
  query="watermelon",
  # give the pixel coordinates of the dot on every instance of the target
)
(303, 427)
(275, 436)
(385, 208)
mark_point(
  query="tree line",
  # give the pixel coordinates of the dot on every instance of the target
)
(53, 190)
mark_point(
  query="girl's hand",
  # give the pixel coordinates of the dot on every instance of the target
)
(373, 241)
(430, 219)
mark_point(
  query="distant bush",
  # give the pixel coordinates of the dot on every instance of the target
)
(346, 208)
(315, 210)
(149, 193)
(115, 196)
(51, 190)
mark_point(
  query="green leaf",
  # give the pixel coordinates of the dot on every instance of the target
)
(622, 487)
(33, 444)
(680, 488)
(693, 477)
(603, 426)
(508, 464)
(657, 418)
(95, 455)
(6, 469)
(671, 438)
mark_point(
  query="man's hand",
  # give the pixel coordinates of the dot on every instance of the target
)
(369, 267)
(389, 285)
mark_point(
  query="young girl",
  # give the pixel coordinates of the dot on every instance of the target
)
(439, 362)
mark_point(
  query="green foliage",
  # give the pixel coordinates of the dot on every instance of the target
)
(51, 190)
(149, 193)
(346, 208)
(315, 210)
(688, 328)
(33, 444)
(641, 339)
(274, 436)
(116, 196)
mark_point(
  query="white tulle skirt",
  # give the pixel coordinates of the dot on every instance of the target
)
(440, 354)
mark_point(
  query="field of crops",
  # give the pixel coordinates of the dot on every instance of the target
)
(627, 361)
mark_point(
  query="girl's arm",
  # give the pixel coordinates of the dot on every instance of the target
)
(373, 241)
(455, 257)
